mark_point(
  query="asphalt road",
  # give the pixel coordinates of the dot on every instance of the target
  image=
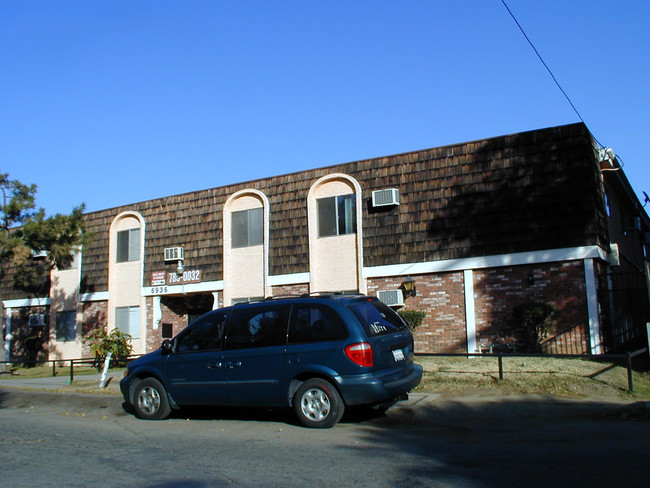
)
(78, 440)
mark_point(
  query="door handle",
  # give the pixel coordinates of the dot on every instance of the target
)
(233, 364)
(214, 365)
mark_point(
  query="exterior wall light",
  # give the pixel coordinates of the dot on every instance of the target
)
(180, 268)
(409, 287)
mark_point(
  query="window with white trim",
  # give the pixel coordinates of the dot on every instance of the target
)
(337, 215)
(128, 245)
(66, 326)
(247, 227)
(127, 320)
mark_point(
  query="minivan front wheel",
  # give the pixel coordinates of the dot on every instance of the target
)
(150, 400)
(318, 404)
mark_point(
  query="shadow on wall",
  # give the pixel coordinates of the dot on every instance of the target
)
(519, 193)
(516, 194)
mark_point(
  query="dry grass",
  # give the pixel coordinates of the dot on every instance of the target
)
(566, 378)
(458, 376)
(45, 371)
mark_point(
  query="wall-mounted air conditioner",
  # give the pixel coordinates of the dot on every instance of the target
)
(392, 298)
(174, 254)
(36, 319)
(382, 198)
(40, 254)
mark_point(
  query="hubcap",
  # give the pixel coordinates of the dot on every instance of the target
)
(315, 404)
(149, 400)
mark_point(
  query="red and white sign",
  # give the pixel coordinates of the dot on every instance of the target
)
(158, 278)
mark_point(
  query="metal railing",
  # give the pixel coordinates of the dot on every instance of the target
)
(627, 357)
(95, 362)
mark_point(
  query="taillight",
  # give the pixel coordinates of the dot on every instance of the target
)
(360, 353)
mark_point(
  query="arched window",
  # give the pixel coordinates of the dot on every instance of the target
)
(245, 243)
(126, 306)
(335, 234)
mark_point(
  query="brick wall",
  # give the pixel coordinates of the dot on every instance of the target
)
(441, 296)
(291, 290)
(29, 343)
(94, 315)
(498, 291)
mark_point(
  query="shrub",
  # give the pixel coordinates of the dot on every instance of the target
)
(101, 343)
(533, 318)
(413, 318)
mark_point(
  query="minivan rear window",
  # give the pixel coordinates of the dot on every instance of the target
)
(377, 318)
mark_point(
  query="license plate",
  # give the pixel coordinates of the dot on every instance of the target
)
(398, 355)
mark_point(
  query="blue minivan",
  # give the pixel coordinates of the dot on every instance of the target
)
(316, 354)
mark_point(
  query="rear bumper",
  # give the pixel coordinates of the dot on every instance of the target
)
(371, 388)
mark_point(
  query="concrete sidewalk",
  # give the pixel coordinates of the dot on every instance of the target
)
(61, 382)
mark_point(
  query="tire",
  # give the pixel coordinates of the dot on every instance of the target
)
(317, 404)
(150, 400)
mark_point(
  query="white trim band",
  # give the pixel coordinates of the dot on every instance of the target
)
(26, 302)
(483, 262)
(99, 296)
(289, 279)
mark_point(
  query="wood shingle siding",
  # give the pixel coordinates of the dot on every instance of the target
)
(508, 194)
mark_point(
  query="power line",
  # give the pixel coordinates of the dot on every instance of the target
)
(557, 83)
(543, 62)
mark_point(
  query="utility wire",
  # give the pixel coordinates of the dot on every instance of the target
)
(557, 83)
(542, 60)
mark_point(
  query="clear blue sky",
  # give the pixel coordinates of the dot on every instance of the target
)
(116, 102)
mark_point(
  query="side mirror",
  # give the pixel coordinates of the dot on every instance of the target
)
(167, 346)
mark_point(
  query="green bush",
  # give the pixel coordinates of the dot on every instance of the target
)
(533, 318)
(413, 318)
(102, 342)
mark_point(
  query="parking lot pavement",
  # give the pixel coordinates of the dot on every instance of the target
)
(420, 408)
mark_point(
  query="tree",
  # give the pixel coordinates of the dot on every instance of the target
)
(26, 230)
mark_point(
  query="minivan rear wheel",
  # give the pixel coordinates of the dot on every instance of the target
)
(317, 404)
(150, 400)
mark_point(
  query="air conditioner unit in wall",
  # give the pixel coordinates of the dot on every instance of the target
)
(392, 298)
(174, 254)
(382, 198)
(36, 319)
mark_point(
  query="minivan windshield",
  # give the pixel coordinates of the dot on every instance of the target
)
(376, 317)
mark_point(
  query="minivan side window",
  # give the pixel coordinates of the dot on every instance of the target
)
(315, 323)
(376, 317)
(205, 333)
(257, 327)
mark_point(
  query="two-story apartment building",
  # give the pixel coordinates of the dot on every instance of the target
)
(478, 227)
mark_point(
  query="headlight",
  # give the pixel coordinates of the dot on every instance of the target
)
(126, 372)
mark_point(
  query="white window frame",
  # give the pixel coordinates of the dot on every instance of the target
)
(127, 320)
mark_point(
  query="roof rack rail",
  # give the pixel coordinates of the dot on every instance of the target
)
(330, 294)
(281, 297)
